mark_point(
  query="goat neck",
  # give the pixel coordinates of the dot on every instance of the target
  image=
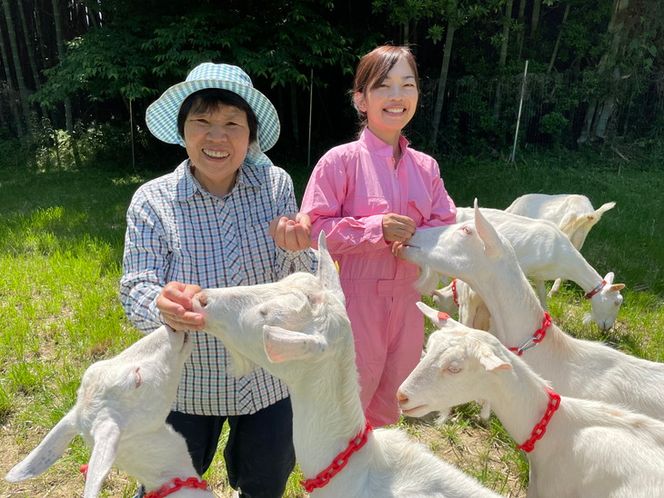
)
(519, 401)
(578, 270)
(515, 310)
(327, 411)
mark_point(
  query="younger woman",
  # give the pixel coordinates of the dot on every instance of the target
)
(369, 196)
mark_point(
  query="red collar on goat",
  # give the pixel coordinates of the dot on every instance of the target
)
(177, 484)
(540, 428)
(537, 337)
(339, 461)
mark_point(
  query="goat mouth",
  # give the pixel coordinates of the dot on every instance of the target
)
(415, 411)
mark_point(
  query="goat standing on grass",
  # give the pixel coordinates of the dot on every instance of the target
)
(545, 253)
(577, 448)
(120, 411)
(478, 254)
(298, 330)
(574, 214)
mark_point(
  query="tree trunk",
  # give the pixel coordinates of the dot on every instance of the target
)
(557, 45)
(442, 81)
(522, 25)
(29, 47)
(57, 19)
(20, 80)
(535, 17)
(601, 108)
(502, 60)
(11, 92)
(69, 119)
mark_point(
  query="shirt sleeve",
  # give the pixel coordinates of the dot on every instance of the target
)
(323, 202)
(144, 265)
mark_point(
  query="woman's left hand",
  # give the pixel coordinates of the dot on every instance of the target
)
(292, 233)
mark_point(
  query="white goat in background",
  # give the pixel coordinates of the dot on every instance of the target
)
(120, 411)
(484, 258)
(545, 253)
(587, 449)
(574, 214)
(298, 330)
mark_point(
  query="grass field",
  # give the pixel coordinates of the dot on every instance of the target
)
(61, 236)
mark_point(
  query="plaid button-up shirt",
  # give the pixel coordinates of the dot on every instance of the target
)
(178, 231)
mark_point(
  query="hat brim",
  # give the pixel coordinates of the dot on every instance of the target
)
(161, 116)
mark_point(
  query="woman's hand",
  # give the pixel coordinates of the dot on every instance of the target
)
(398, 228)
(292, 233)
(174, 303)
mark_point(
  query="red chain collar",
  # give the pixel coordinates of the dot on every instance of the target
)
(455, 296)
(176, 484)
(537, 337)
(595, 290)
(339, 462)
(540, 428)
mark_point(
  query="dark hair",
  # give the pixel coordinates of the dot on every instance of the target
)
(373, 68)
(211, 99)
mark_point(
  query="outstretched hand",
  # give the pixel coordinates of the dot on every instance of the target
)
(292, 233)
(175, 304)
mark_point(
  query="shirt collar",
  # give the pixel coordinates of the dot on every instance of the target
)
(251, 174)
(377, 146)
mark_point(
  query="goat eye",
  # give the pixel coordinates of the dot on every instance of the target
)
(454, 369)
(263, 312)
(467, 230)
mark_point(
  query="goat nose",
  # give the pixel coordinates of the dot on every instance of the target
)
(202, 299)
(401, 398)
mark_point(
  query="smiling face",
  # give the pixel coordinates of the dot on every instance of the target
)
(390, 102)
(217, 141)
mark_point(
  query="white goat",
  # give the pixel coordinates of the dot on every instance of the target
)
(545, 253)
(298, 330)
(574, 214)
(120, 411)
(587, 448)
(484, 258)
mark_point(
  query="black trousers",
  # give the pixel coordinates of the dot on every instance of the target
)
(259, 454)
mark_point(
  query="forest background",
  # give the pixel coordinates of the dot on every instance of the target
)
(77, 75)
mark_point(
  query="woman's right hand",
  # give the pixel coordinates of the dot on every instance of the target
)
(397, 227)
(174, 303)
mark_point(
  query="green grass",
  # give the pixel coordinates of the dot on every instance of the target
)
(61, 237)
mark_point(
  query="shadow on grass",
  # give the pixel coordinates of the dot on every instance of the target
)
(65, 211)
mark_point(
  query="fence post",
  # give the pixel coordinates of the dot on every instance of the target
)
(518, 118)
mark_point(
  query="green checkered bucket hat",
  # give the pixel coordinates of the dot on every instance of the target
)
(161, 116)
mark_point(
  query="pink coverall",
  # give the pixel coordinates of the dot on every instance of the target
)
(350, 189)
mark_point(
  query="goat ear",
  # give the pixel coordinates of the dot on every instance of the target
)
(106, 436)
(488, 234)
(438, 318)
(49, 450)
(284, 345)
(608, 278)
(616, 287)
(492, 363)
(328, 273)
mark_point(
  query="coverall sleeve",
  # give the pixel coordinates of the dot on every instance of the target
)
(443, 209)
(323, 201)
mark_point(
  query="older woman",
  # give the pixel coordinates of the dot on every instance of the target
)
(207, 224)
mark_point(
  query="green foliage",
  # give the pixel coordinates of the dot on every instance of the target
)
(555, 125)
